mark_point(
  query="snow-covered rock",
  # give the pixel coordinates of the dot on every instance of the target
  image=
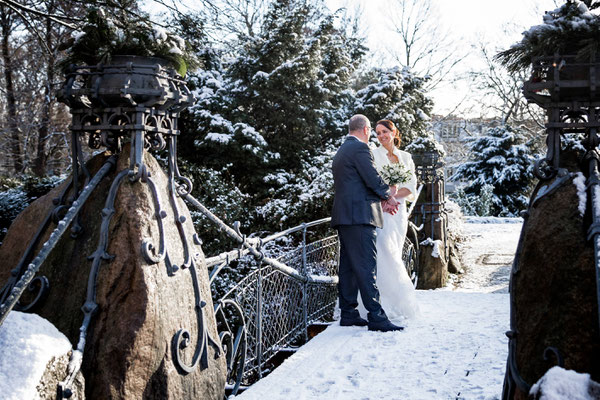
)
(554, 290)
(560, 384)
(30, 349)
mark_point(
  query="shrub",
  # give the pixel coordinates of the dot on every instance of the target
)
(17, 195)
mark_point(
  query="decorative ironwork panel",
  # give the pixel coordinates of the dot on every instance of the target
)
(277, 306)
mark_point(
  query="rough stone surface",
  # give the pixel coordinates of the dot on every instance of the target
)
(434, 270)
(454, 263)
(56, 372)
(141, 305)
(555, 289)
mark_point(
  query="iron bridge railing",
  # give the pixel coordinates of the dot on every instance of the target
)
(270, 309)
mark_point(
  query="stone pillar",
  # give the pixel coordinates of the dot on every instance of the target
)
(429, 211)
(553, 288)
(129, 353)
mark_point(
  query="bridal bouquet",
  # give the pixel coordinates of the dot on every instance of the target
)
(395, 174)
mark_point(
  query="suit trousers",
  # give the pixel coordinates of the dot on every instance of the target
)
(358, 272)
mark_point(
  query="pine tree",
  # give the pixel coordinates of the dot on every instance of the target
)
(398, 95)
(267, 119)
(500, 158)
(292, 80)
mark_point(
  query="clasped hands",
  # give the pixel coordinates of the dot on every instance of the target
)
(391, 205)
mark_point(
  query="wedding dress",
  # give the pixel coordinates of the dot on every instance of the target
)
(395, 287)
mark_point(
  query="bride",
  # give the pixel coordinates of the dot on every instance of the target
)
(395, 287)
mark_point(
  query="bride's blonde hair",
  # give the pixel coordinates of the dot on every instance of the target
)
(390, 125)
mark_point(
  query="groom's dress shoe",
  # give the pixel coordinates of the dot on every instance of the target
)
(384, 326)
(358, 321)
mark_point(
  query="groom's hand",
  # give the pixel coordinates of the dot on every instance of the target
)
(393, 203)
(385, 206)
(390, 205)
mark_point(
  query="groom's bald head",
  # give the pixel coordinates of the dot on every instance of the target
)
(358, 123)
(360, 126)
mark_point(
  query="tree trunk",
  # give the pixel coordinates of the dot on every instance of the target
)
(15, 139)
(41, 157)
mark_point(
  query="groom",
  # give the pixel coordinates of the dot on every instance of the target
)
(361, 196)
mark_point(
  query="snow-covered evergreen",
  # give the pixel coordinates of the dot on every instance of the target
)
(426, 143)
(270, 117)
(16, 195)
(399, 95)
(501, 159)
(475, 205)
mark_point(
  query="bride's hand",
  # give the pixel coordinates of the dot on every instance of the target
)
(402, 193)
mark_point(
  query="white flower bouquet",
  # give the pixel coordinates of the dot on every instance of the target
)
(395, 174)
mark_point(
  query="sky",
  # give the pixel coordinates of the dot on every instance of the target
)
(467, 22)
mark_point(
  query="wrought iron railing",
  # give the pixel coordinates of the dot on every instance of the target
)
(271, 309)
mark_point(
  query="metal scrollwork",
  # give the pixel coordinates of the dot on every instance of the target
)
(543, 169)
(39, 286)
(593, 187)
(555, 353)
(90, 306)
(182, 338)
(148, 249)
(234, 340)
(28, 274)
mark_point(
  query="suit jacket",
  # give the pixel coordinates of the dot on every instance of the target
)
(358, 187)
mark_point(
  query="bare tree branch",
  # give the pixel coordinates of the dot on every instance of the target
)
(60, 19)
(30, 26)
(424, 46)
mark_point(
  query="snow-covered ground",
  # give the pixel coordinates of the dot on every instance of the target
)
(488, 253)
(455, 349)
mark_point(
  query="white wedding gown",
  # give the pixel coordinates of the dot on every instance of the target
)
(395, 287)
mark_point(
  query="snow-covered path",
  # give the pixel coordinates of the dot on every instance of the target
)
(455, 350)
(488, 254)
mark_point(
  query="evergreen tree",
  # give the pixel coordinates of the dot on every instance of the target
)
(292, 79)
(474, 205)
(425, 143)
(499, 158)
(399, 95)
(267, 119)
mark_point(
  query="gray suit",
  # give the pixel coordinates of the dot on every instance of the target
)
(356, 213)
